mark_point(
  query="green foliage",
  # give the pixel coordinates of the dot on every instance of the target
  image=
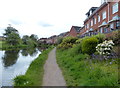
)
(34, 37)
(30, 41)
(79, 40)
(13, 39)
(100, 37)
(59, 40)
(78, 71)
(89, 44)
(67, 42)
(34, 74)
(21, 80)
(77, 49)
(12, 36)
(115, 36)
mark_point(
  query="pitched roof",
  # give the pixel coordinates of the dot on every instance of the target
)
(97, 9)
(77, 29)
(92, 9)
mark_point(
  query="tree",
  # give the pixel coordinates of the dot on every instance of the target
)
(29, 41)
(12, 36)
(34, 37)
(25, 39)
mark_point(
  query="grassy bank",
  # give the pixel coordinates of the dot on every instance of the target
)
(34, 74)
(80, 71)
(1, 44)
(5, 46)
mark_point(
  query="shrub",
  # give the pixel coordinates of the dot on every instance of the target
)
(89, 44)
(79, 41)
(76, 49)
(59, 40)
(69, 40)
(105, 48)
(67, 43)
(100, 37)
(115, 36)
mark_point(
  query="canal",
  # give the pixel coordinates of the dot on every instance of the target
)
(14, 63)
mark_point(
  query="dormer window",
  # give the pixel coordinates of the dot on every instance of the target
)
(90, 12)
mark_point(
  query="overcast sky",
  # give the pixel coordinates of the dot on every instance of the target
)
(44, 17)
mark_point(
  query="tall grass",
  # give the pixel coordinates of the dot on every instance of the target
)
(80, 71)
(34, 74)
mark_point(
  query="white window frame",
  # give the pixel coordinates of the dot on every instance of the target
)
(101, 30)
(87, 25)
(91, 23)
(98, 18)
(95, 21)
(111, 26)
(104, 14)
(115, 8)
(118, 24)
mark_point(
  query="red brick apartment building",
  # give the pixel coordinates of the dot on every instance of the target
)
(103, 19)
(74, 31)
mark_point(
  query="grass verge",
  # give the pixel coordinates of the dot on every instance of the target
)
(34, 74)
(80, 71)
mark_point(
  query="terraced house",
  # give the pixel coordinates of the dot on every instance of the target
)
(103, 19)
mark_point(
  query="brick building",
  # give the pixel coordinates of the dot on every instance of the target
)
(103, 19)
(74, 31)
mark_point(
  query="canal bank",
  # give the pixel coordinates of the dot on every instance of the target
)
(34, 74)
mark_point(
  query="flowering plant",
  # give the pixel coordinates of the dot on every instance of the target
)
(105, 48)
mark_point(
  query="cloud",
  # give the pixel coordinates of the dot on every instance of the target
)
(15, 22)
(44, 17)
(44, 24)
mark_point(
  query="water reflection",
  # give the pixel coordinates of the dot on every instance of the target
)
(29, 51)
(10, 57)
(15, 62)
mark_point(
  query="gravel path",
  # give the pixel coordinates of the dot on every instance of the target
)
(52, 73)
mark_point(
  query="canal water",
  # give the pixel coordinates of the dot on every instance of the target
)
(14, 63)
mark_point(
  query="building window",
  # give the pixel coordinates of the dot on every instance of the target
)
(111, 26)
(115, 8)
(87, 26)
(104, 15)
(98, 18)
(91, 22)
(101, 30)
(94, 20)
(90, 12)
(118, 24)
(105, 30)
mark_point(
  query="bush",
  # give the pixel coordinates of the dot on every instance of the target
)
(76, 49)
(69, 40)
(115, 36)
(79, 41)
(105, 48)
(59, 40)
(100, 37)
(67, 43)
(89, 45)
